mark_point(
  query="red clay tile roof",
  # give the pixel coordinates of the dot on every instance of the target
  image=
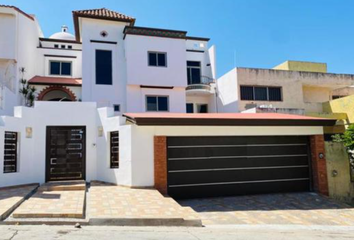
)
(227, 119)
(100, 13)
(18, 10)
(39, 80)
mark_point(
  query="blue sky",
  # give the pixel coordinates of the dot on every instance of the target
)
(247, 33)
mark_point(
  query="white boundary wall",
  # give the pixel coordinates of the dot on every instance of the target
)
(136, 150)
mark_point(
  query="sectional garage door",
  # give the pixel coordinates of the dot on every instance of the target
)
(224, 166)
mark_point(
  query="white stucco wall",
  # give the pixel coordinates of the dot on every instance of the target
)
(227, 89)
(32, 151)
(136, 98)
(104, 95)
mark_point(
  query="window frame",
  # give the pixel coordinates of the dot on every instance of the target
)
(262, 86)
(60, 68)
(189, 72)
(17, 135)
(157, 59)
(111, 152)
(104, 50)
(157, 103)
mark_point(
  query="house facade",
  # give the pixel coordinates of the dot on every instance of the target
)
(112, 62)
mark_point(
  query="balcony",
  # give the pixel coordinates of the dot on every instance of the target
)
(204, 86)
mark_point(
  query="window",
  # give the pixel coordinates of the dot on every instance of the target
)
(114, 159)
(156, 104)
(116, 107)
(258, 93)
(334, 97)
(190, 108)
(157, 59)
(56, 46)
(10, 152)
(202, 108)
(70, 47)
(62, 46)
(193, 72)
(60, 68)
(104, 67)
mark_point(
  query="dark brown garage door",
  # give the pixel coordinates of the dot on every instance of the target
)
(223, 166)
(65, 153)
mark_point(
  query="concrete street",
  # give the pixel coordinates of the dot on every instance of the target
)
(235, 232)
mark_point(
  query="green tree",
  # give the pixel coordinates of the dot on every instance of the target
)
(347, 138)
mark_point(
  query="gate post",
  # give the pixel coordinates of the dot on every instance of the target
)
(319, 168)
(160, 164)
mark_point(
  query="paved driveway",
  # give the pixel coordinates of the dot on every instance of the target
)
(291, 208)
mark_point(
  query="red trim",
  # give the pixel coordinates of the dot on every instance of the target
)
(55, 80)
(58, 88)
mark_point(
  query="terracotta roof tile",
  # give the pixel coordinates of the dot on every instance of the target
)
(55, 81)
(103, 13)
(18, 10)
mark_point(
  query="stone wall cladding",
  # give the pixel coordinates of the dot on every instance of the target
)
(160, 163)
(319, 168)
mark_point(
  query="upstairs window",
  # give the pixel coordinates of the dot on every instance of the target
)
(10, 152)
(103, 67)
(157, 59)
(258, 93)
(60, 68)
(193, 72)
(114, 137)
(156, 104)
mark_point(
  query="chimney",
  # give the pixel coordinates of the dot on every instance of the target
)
(64, 28)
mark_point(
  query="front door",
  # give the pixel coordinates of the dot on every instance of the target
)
(65, 155)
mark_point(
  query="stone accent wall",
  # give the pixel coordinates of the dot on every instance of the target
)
(160, 163)
(319, 168)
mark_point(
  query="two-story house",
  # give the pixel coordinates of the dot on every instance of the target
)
(111, 61)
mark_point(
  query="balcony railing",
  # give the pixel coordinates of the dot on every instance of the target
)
(204, 84)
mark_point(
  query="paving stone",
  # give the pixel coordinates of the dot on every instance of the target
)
(11, 197)
(291, 208)
(107, 201)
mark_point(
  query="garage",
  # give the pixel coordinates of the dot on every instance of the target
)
(227, 154)
(222, 166)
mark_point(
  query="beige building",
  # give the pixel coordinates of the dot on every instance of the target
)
(291, 87)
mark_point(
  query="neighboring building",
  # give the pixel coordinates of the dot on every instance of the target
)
(110, 61)
(288, 90)
(18, 49)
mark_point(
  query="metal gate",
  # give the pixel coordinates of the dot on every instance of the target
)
(65, 157)
(221, 166)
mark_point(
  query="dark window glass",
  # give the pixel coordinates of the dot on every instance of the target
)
(66, 68)
(193, 64)
(161, 57)
(55, 68)
(104, 67)
(152, 59)
(274, 94)
(203, 108)
(62, 46)
(162, 104)
(10, 152)
(157, 59)
(56, 45)
(195, 73)
(260, 93)
(190, 108)
(114, 149)
(247, 93)
(116, 107)
(70, 47)
(151, 103)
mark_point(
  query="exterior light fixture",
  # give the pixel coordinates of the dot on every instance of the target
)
(28, 132)
(321, 155)
(100, 131)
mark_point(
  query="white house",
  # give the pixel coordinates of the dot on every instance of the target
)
(109, 61)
